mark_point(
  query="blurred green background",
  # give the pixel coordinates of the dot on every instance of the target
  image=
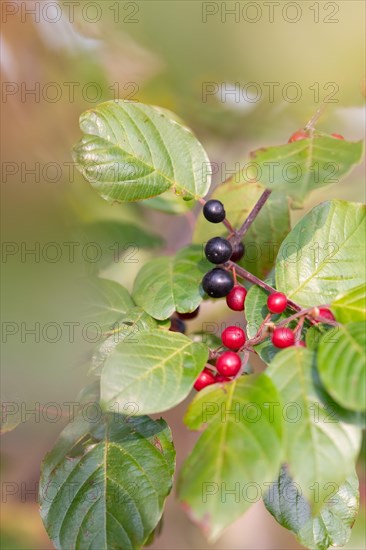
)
(59, 59)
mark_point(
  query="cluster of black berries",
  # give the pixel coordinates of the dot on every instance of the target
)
(218, 282)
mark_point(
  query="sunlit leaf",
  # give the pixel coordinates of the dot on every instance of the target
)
(155, 373)
(132, 151)
(324, 255)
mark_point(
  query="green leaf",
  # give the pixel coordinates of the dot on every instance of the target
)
(207, 338)
(132, 151)
(155, 374)
(129, 329)
(266, 233)
(113, 241)
(239, 452)
(105, 304)
(342, 365)
(104, 484)
(168, 284)
(324, 254)
(330, 527)
(169, 203)
(314, 335)
(334, 409)
(319, 448)
(351, 306)
(298, 168)
(256, 309)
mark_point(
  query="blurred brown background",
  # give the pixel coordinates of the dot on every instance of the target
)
(59, 59)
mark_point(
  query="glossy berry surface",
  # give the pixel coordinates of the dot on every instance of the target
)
(191, 315)
(218, 250)
(177, 325)
(236, 298)
(228, 363)
(337, 136)
(217, 283)
(205, 378)
(238, 252)
(297, 136)
(283, 337)
(233, 338)
(325, 313)
(277, 302)
(301, 344)
(214, 211)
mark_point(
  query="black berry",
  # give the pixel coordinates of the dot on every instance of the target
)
(218, 250)
(214, 211)
(177, 325)
(217, 283)
(187, 316)
(238, 252)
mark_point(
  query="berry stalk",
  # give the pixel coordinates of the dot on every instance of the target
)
(244, 274)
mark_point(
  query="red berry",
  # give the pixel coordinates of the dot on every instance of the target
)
(236, 298)
(326, 314)
(228, 363)
(283, 337)
(233, 337)
(297, 136)
(277, 302)
(206, 378)
(219, 378)
(337, 136)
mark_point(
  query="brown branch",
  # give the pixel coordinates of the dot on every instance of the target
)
(254, 213)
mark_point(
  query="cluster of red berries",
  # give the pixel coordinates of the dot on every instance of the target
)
(284, 337)
(228, 363)
(302, 134)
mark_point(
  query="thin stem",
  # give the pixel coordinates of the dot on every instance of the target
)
(229, 227)
(254, 213)
(314, 119)
(260, 335)
(305, 313)
(300, 313)
(264, 322)
(298, 329)
(244, 274)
